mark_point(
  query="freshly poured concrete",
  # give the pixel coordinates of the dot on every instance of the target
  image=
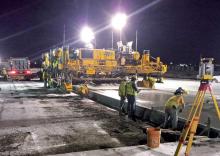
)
(155, 98)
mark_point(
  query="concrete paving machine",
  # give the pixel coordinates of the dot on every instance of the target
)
(99, 65)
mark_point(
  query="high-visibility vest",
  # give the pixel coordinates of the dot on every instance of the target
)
(55, 63)
(122, 89)
(45, 75)
(174, 101)
(130, 90)
(152, 80)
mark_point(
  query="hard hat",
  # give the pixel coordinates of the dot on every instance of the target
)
(126, 78)
(133, 78)
(180, 91)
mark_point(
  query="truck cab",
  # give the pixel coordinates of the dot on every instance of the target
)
(19, 69)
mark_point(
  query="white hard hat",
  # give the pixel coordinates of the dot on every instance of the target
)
(126, 78)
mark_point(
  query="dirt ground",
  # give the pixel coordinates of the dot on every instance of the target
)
(35, 121)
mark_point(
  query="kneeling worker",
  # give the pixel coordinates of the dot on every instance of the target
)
(173, 106)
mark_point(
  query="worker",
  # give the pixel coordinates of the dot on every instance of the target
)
(59, 80)
(122, 94)
(131, 92)
(148, 82)
(173, 106)
(50, 82)
(151, 82)
(83, 89)
(45, 78)
(4, 73)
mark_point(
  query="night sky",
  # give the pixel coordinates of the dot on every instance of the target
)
(179, 31)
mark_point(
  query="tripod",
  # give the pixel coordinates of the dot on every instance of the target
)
(194, 116)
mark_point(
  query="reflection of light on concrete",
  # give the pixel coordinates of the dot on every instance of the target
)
(172, 85)
(63, 95)
(111, 93)
(55, 146)
(36, 142)
(99, 129)
(86, 100)
(111, 109)
(145, 101)
(115, 140)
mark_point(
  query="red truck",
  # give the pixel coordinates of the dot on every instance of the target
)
(19, 69)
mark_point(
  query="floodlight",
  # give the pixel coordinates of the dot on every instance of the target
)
(119, 21)
(87, 35)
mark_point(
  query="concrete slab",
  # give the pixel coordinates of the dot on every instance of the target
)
(155, 98)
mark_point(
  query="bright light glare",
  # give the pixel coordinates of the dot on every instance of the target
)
(28, 72)
(12, 72)
(119, 21)
(87, 35)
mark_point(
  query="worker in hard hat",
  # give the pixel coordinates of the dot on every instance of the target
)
(173, 106)
(148, 82)
(83, 89)
(122, 94)
(131, 92)
(151, 82)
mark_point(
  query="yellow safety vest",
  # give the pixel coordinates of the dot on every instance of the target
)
(122, 89)
(152, 80)
(44, 75)
(55, 63)
(130, 90)
(174, 101)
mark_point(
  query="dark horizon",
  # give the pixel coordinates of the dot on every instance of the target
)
(177, 31)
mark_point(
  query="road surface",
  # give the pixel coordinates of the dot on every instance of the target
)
(35, 121)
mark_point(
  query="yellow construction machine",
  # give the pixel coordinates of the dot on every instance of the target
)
(100, 65)
(97, 63)
(132, 62)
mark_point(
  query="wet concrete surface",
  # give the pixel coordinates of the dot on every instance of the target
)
(155, 98)
(35, 121)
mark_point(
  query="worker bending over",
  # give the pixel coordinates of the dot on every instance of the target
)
(131, 92)
(83, 90)
(122, 94)
(173, 106)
